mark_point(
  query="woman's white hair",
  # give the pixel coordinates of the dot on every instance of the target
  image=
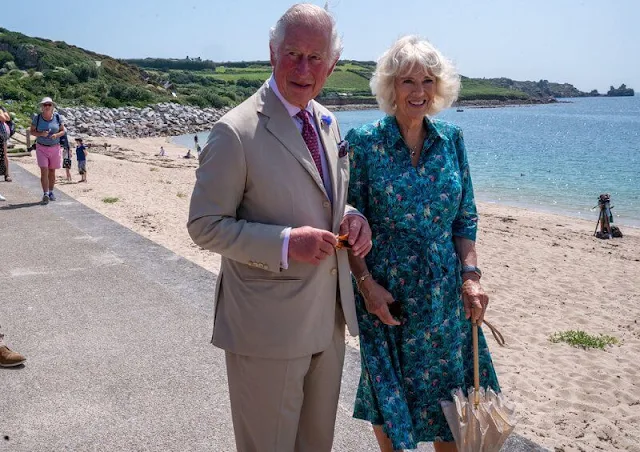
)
(406, 54)
(306, 14)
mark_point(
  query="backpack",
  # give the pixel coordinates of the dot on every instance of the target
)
(56, 115)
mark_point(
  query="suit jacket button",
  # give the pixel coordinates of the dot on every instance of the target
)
(334, 271)
(326, 204)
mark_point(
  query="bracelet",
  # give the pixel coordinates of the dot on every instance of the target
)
(361, 279)
(471, 269)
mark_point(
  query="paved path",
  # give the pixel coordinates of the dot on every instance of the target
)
(116, 332)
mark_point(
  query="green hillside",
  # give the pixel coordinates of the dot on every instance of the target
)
(31, 68)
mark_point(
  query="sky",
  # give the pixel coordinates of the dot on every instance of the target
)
(590, 44)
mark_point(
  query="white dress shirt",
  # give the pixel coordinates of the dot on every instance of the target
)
(293, 111)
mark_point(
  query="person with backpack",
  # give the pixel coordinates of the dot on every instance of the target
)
(48, 127)
(5, 134)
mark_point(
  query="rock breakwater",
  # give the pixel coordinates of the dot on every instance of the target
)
(131, 122)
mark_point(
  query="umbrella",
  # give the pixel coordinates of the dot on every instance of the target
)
(482, 421)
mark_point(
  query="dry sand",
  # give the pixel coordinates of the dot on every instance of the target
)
(544, 273)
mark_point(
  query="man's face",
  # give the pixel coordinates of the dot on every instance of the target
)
(302, 63)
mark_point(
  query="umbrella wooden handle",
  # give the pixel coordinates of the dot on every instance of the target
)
(476, 366)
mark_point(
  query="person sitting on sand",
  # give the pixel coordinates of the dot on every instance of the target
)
(189, 155)
(162, 153)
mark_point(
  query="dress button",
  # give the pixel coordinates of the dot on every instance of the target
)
(334, 271)
(326, 204)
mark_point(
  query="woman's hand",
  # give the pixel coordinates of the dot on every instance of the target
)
(474, 299)
(377, 300)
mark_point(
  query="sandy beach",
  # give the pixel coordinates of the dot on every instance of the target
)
(544, 273)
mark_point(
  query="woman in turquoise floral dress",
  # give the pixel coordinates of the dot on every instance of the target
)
(419, 287)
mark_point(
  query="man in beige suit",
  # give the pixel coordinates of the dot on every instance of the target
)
(270, 197)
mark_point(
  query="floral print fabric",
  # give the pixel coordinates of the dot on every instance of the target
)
(414, 214)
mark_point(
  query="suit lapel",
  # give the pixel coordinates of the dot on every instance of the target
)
(281, 126)
(331, 153)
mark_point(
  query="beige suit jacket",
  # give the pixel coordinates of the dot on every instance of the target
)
(256, 178)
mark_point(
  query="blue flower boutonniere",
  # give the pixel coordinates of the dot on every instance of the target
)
(326, 119)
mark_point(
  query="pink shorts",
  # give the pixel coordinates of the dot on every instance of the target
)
(48, 156)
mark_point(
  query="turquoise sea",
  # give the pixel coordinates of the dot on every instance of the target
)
(555, 158)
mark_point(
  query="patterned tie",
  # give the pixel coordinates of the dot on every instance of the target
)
(311, 138)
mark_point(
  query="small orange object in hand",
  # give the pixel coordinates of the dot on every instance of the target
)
(342, 242)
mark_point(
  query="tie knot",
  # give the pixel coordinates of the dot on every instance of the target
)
(304, 115)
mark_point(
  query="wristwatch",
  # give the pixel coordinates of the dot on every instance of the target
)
(471, 269)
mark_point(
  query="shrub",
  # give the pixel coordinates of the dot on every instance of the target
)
(5, 57)
(84, 71)
(61, 75)
(583, 340)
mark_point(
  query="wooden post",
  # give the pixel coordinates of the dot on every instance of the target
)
(28, 138)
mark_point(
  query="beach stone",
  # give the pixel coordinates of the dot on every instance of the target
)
(131, 122)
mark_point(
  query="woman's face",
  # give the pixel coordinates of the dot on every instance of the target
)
(414, 93)
(47, 108)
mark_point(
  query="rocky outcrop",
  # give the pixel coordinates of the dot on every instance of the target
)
(131, 122)
(621, 91)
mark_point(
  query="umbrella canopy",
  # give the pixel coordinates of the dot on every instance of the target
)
(483, 420)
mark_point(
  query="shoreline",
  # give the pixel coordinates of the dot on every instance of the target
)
(481, 103)
(544, 273)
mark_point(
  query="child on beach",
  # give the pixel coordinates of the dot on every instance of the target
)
(162, 152)
(66, 156)
(81, 155)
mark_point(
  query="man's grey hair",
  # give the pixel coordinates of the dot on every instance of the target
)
(306, 14)
(405, 55)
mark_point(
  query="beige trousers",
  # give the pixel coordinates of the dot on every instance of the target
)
(287, 405)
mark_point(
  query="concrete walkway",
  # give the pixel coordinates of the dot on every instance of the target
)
(116, 333)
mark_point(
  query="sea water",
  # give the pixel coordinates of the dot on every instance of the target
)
(555, 157)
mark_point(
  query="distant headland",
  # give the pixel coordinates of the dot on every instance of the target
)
(31, 68)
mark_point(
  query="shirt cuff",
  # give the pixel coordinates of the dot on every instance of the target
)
(284, 258)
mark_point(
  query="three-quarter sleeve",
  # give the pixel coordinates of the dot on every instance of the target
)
(466, 221)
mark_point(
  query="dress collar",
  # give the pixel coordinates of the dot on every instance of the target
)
(389, 125)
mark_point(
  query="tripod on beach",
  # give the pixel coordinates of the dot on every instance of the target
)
(605, 219)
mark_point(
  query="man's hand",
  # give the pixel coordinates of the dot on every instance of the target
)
(311, 245)
(359, 232)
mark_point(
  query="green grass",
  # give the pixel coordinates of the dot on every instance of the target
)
(583, 340)
(181, 195)
(473, 89)
(343, 81)
(153, 168)
(260, 75)
(110, 200)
